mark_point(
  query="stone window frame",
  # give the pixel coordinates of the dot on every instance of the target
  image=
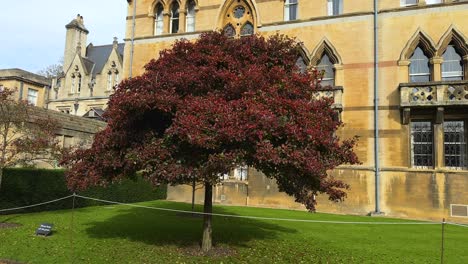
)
(326, 47)
(172, 18)
(225, 16)
(463, 141)
(29, 96)
(335, 7)
(434, 52)
(438, 138)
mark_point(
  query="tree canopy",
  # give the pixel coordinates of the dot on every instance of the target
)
(24, 138)
(204, 107)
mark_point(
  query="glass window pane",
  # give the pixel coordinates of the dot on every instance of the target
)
(158, 27)
(175, 18)
(452, 68)
(419, 70)
(326, 66)
(421, 144)
(300, 63)
(247, 29)
(455, 148)
(190, 17)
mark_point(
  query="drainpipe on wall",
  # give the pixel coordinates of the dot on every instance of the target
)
(133, 39)
(376, 113)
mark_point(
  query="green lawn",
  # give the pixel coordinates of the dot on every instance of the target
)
(121, 234)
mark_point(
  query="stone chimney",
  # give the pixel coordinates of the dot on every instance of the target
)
(76, 36)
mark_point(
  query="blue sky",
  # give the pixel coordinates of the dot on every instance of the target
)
(33, 31)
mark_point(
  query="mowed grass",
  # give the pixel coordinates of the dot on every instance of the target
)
(122, 234)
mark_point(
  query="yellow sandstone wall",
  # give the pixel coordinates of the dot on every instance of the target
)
(405, 191)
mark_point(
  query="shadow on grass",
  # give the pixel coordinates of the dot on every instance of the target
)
(163, 228)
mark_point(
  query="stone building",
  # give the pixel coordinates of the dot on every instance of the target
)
(27, 85)
(400, 78)
(90, 73)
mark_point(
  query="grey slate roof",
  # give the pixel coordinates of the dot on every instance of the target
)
(100, 54)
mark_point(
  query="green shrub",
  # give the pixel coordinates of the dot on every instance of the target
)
(24, 186)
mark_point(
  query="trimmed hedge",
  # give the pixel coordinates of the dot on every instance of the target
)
(23, 186)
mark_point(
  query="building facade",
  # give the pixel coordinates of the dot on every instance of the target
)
(26, 85)
(411, 117)
(90, 73)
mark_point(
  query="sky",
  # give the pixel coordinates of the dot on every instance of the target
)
(32, 32)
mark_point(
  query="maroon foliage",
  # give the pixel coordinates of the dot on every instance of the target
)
(205, 107)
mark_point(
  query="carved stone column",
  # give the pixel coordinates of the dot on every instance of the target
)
(182, 20)
(436, 63)
(166, 21)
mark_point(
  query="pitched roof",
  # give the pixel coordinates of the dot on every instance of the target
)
(100, 54)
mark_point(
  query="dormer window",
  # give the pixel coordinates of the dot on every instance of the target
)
(109, 80)
(72, 90)
(79, 83)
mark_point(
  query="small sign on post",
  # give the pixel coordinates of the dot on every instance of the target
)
(44, 229)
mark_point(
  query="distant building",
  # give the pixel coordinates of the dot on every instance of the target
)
(90, 73)
(27, 86)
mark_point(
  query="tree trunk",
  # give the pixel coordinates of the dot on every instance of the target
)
(1, 177)
(193, 194)
(207, 241)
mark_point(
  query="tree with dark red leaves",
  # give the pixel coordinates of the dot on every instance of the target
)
(207, 106)
(25, 138)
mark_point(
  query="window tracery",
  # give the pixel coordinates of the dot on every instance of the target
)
(238, 19)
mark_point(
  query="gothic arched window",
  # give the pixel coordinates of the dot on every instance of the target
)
(326, 67)
(247, 29)
(229, 31)
(452, 67)
(301, 64)
(174, 18)
(158, 19)
(238, 19)
(190, 19)
(419, 70)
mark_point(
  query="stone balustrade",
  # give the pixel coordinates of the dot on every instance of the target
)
(445, 93)
(335, 92)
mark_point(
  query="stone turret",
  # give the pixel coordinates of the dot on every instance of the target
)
(76, 36)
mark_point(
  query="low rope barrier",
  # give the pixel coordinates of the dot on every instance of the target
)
(455, 224)
(230, 215)
(259, 217)
(34, 205)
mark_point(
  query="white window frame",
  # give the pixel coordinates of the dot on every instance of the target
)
(287, 6)
(405, 3)
(433, 2)
(172, 18)
(331, 7)
(241, 173)
(158, 20)
(72, 88)
(190, 18)
(33, 94)
(109, 81)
